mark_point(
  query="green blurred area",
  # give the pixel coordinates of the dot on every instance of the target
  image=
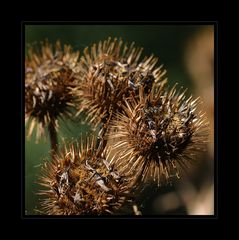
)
(166, 42)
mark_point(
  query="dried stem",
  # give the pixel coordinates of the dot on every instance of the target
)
(53, 138)
(101, 141)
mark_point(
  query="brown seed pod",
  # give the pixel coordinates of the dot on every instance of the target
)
(49, 79)
(109, 71)
(158, 134)
(80, 182)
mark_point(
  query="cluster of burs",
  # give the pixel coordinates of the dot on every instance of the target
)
(144, 131)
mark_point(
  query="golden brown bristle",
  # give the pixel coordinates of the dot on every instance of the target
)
(158, 134)
(80, 182)
(49, 80)
(110, 71)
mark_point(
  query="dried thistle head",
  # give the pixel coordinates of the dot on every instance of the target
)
(109, 71)
(158, 134)
(80, 182)
(49, 79)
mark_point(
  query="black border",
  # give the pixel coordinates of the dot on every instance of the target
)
(216, 107)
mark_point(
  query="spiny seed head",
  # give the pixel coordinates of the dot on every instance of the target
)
(78, 181)
(109, 71)
(49, 80)
(158, 134)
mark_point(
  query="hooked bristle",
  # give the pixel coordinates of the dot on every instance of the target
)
(80, 182)
(49, 80)
(158, 134)
(110, 71)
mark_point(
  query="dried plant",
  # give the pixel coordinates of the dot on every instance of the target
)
(158, 134)
(49, 80)
(110, 71)
(146, 131)
(79, 181)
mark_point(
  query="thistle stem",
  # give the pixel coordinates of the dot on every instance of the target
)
(101, 141)
(53, 138)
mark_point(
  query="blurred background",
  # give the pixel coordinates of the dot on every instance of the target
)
(187, 53)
